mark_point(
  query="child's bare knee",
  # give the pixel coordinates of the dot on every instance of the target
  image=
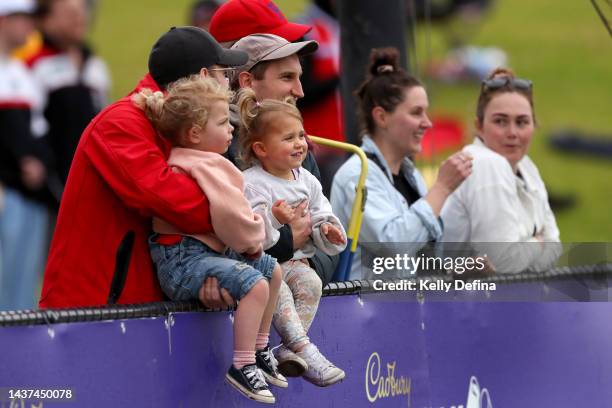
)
(260, 291)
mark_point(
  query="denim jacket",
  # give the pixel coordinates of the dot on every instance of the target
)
(387, 218)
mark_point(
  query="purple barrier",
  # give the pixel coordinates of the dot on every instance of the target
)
(396, 351)
(524, 354)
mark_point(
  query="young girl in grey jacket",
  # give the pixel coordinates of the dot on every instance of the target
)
(272, 147)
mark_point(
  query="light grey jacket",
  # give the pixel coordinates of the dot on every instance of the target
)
(262, 189)
(387, 218)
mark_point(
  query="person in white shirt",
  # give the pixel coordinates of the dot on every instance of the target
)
(24, 181)
(505, 199)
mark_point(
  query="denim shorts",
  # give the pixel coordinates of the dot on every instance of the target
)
(182, 268)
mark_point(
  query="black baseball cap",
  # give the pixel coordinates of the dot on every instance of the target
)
(184, 51)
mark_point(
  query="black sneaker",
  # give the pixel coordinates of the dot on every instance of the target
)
(269, 367)
(250, 382)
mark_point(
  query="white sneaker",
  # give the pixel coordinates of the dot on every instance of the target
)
(289, 363)
(321, 371)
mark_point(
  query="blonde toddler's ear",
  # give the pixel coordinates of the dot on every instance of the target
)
(194, 134)
(259, 148)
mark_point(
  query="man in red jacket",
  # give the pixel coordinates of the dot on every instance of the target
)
(119, 179)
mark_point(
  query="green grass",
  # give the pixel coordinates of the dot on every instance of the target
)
(559, 44)
(563, 47)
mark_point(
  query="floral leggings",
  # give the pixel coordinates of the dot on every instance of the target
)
(298, 300)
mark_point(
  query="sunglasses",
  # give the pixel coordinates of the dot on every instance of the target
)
(228, 72)
(500, 82)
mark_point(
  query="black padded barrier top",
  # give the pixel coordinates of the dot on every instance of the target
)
(159, 309)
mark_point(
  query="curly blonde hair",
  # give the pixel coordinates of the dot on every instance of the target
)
(187, 103)
(254, 121)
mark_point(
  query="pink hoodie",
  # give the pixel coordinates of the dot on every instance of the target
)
(234, 223)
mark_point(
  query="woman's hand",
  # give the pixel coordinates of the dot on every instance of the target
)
(453, 171)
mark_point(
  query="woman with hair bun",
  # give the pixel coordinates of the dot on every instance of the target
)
(503, 208)
(399, 209)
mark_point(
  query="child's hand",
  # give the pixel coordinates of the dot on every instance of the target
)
(283, 212)
(333, 234)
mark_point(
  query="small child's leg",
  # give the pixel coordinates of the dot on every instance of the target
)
(307, 289)
(274, 286)
(289, 326)
(265, 358)
(298, 303)
(242, 282)
(248, 317)
(244, 374)
(286, 319)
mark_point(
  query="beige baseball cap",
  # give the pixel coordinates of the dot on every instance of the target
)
(268, 47)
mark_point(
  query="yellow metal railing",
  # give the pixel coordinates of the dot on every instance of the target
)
(358, 205)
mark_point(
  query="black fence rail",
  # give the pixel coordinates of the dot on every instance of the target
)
(160, 309)
(582, 271)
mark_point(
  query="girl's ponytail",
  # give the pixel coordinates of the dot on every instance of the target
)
(152, 103)
(247, 107)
